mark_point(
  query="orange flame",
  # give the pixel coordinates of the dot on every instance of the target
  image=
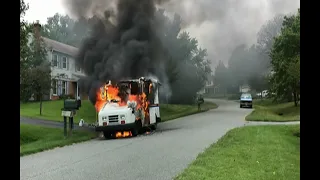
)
(123, 134)
(101, 99)
(110, 92)
(145, 106)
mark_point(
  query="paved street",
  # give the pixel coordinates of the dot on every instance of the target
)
(159, 156)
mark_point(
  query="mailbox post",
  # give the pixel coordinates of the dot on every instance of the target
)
(70, 107)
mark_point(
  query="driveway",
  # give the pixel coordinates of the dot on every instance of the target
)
(159, 156)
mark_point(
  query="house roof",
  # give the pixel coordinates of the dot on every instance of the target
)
(60, 47)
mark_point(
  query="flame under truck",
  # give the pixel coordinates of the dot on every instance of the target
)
(141, 108)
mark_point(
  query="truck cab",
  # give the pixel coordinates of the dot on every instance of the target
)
(130, 106)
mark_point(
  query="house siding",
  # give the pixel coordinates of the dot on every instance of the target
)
(70, 74)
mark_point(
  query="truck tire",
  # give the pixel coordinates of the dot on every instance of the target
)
(158, 119)
(107, 135)
(240, 106)
(153, 126)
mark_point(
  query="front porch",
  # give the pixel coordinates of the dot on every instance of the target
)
(68, 87)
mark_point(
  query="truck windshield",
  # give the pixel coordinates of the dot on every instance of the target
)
(246, 96)
(114, 100)
(134, 88)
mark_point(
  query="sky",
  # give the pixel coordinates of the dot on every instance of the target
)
(41, 9)
(219, 25)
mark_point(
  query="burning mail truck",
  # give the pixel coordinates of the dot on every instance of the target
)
(127, 107)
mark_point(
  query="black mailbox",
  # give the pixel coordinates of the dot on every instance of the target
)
(71, 104)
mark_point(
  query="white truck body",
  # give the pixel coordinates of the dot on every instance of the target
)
(113, 114)
(113, 117)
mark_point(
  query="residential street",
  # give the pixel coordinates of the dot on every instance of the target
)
(159, 156)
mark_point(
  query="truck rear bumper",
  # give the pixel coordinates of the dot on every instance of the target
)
(120, 127)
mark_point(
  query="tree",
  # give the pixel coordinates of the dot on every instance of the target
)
(193, 68)
(265, 38)
(187, 64)
(40, 80)
(243, 63)
(246, 66)
(221, 76)
(66, 30)
(25, 91)
(256, 72)
(236, 65)
(259, 82)
(285, 60)
(39, 74)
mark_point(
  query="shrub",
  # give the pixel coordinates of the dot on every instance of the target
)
(66, 96)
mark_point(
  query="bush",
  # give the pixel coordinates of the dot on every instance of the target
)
(66, 96)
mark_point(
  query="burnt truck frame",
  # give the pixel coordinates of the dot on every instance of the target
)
(113, 118)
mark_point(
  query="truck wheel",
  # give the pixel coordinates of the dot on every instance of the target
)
(134, 132)
(107, 135)
(153, 126)
(240, 106)
(158, 119)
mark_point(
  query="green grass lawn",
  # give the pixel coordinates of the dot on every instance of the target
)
(52, 111)
(172, 111)
(37, 138)
(250, 153)
(266, 110)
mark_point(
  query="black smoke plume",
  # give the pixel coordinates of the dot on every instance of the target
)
(122, 44)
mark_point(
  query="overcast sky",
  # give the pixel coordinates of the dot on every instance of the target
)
(219, 25)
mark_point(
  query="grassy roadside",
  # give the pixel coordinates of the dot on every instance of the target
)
(37, 138)
(52, 111)
(171, 111)
(266, 110)
(252, 152)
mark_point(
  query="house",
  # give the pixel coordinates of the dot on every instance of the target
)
(64, 72)
(209, 87)
(244, 88)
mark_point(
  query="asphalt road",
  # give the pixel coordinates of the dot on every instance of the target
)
(159, 156)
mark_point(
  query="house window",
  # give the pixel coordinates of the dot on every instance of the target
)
(54, 60)
(59, 62)
(64, 62)
(64, 87)
(60, 87)
(54, 86)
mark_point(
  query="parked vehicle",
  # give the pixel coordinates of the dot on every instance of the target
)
(246, 100)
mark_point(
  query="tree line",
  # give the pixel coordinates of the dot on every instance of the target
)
(272, 63)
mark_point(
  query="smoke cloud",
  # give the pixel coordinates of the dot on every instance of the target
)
(222, 25)
(127, 42)
(123, 43)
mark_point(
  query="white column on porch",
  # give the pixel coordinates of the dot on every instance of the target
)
(77, 90)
